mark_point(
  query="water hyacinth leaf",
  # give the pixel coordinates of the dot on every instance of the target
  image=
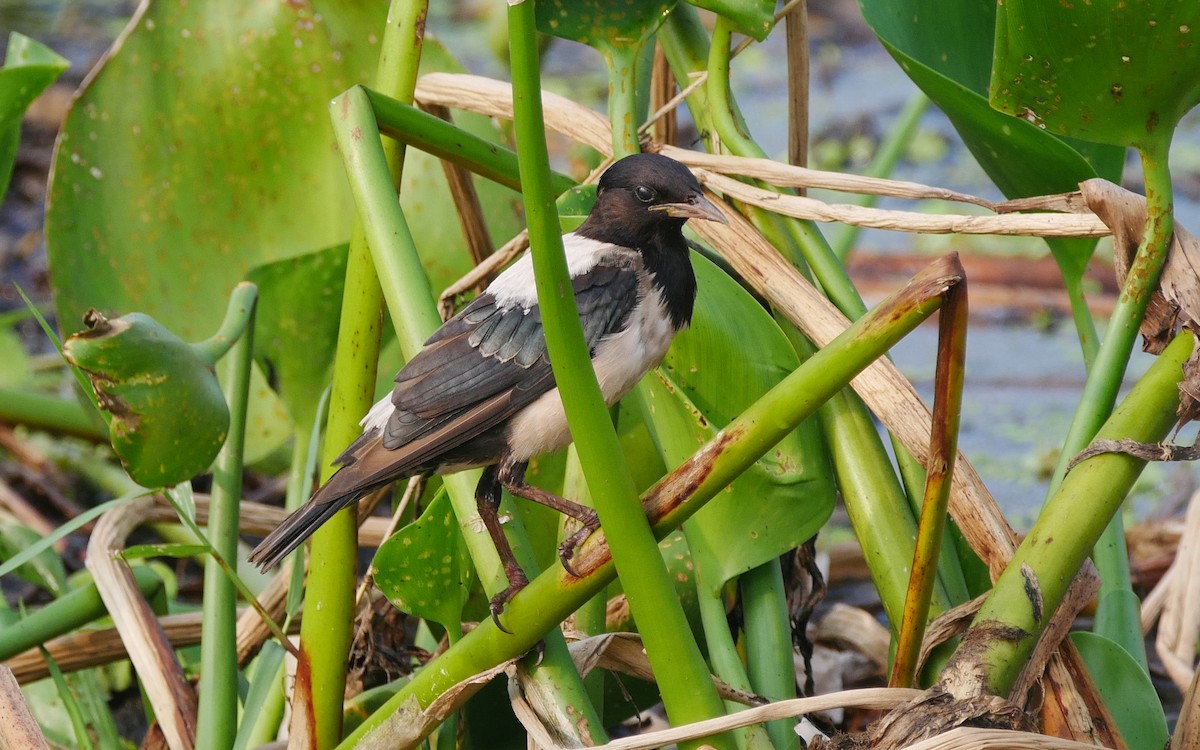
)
(755, 18)
(732, 354)
(45, 570)
(423, 568)
(1126, 689)
(168, 418)
(941, 50)
(1117, 73)
(187, 159)
(606, 26)
(296, 330)
(29, 69)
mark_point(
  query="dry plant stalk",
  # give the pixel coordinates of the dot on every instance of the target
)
(870, 698)
(18, 729)
(162, 678)
(1179, 625)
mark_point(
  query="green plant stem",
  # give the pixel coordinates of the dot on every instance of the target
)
(768, 631)
(216, 723)
(1032, 586)
(237, 319)
(724, 657)
(683, 39)
(68, 612)
(679, 668)
(445, 140)
(621, 63)
(414, 314)
(1104, 381)
(553, 595)
(64, 416)
(899, 135)
(326, 630)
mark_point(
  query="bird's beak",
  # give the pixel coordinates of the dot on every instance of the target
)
(696, 207)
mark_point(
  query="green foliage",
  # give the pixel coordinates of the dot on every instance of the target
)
(45, 570)
(604, 25)
(1116, 73)
(295, 334)
(168, 417)
(1126, 690)
(733, 353)
(423, 568)
(940, 49)
(29, 69)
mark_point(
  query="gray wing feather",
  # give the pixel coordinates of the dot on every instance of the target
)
(486, 350)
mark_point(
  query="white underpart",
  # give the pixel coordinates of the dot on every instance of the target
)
(516, 287)
(377, 418)
(620, 362)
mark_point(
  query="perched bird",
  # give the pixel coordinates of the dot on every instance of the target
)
(481, 392)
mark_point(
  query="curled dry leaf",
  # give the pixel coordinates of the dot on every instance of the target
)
(1177, 299)
(1176, 302)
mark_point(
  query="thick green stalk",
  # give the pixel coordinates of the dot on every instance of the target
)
(552, 596)
(216, 723)
(414, 314)
(678, 665)
(326, 631)
(66, 613)
(769, 644)
(64, 416)
(1104, 381)
(621, 64)
(724, 657)
(445, 140)
(1032, 586)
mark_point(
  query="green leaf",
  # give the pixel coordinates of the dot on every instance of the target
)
(945, 51)
(29, 69)
(168, 415)
(732, 354)
(300, 300)
(1117, 73)
(602, 24)
(1126, 690)
(755, 18)
(574, 206)
(423, 569)
(45, 569)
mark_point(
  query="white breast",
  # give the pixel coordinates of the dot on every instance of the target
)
(515, 286)
(620, 362)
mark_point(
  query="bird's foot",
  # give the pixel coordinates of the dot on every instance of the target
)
(516, 582)
(566, 550)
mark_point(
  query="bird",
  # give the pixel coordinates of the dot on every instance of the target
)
(480, 392)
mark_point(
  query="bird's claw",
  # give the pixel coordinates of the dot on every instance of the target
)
(516, 582)
(566, 550)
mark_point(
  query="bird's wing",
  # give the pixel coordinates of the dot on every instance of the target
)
(479, 369)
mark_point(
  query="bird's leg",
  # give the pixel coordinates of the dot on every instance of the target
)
(487, 500)
(512, 476)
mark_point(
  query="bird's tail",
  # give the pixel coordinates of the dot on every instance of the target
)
(297, 527)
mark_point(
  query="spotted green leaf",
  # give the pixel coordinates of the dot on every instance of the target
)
(423, 568)
(1121, 73)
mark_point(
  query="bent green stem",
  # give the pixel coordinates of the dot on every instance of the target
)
(679, 667)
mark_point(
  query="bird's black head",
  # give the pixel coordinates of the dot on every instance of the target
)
(643, 200)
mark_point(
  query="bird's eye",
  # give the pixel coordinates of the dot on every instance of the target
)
(643, 193)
